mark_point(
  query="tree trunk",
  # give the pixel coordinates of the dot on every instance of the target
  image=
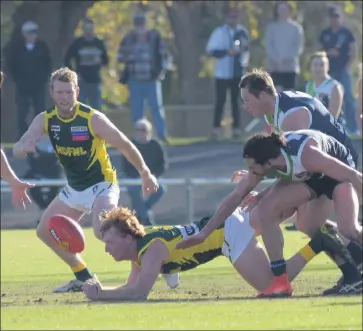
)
(57, 22)
(186, 22)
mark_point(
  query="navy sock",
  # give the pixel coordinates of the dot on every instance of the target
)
(278, 267)
(356, 251)
(83, 275)
(350, 272)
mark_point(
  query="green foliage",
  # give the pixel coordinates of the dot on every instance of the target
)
(7, 10)
(113, 19)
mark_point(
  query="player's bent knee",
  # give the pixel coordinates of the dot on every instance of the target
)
(41, 230)
(343, 190)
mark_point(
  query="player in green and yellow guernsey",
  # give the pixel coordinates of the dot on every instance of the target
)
(80, 151)
(79, 135)
(152, 251)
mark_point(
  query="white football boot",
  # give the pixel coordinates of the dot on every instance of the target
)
(172, 280)
(74, 285)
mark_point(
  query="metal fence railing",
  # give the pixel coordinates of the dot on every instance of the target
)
(188, 183)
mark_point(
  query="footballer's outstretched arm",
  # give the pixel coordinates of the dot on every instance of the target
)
(29, 139)
(7, 173)
(107, 131)
(151, 263)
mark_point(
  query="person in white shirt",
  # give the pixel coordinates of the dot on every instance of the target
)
(229, 45)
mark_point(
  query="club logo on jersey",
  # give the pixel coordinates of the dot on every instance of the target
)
(55, 129)
(80, 133)
(79, 128)
(70, 151)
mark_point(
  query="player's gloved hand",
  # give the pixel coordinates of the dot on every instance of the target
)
(193, 240)
(19, 193)
(149, 183)
(91, 288)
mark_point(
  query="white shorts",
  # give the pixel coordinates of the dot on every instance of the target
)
(84, 200)
(238, 233)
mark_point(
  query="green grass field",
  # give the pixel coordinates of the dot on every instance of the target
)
(209, 297)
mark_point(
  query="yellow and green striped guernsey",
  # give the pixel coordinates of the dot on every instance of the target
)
(81, 153)
(182, 259)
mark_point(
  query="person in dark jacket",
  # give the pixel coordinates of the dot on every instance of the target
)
(29, 65)
(89, 55)
(146, 59)
(43, 164)
(154, 157)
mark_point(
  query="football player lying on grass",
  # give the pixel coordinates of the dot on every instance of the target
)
(152, 251)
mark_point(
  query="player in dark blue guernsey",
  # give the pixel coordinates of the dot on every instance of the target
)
(325, 167)
(313, 165)
(290, 111)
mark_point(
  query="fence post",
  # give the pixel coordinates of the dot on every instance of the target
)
(189, 199)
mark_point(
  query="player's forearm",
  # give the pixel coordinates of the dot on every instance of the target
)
(7, 172)
(18, 150)
(133, 155)
(226, 208)
(126, 292)
(335, 110)
(356, 181)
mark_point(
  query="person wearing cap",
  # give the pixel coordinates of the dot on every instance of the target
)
(87, 55)
(29, 65)
(339, 43)
(146, 59)
(228, 43)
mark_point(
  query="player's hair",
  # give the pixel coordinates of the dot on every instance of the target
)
(124, 220)
(319, 55)
(257, 81)
(263, 146)
(1, 78)
(64, 75)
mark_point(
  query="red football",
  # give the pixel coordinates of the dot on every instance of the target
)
(66, 233)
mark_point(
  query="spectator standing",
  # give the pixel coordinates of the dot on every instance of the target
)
(155, 159)
(229, 45)
(323, 87)
(89, 55)
(43, 164)
(29, 64)
(146, 58)
(339, 43)
(284, 43)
